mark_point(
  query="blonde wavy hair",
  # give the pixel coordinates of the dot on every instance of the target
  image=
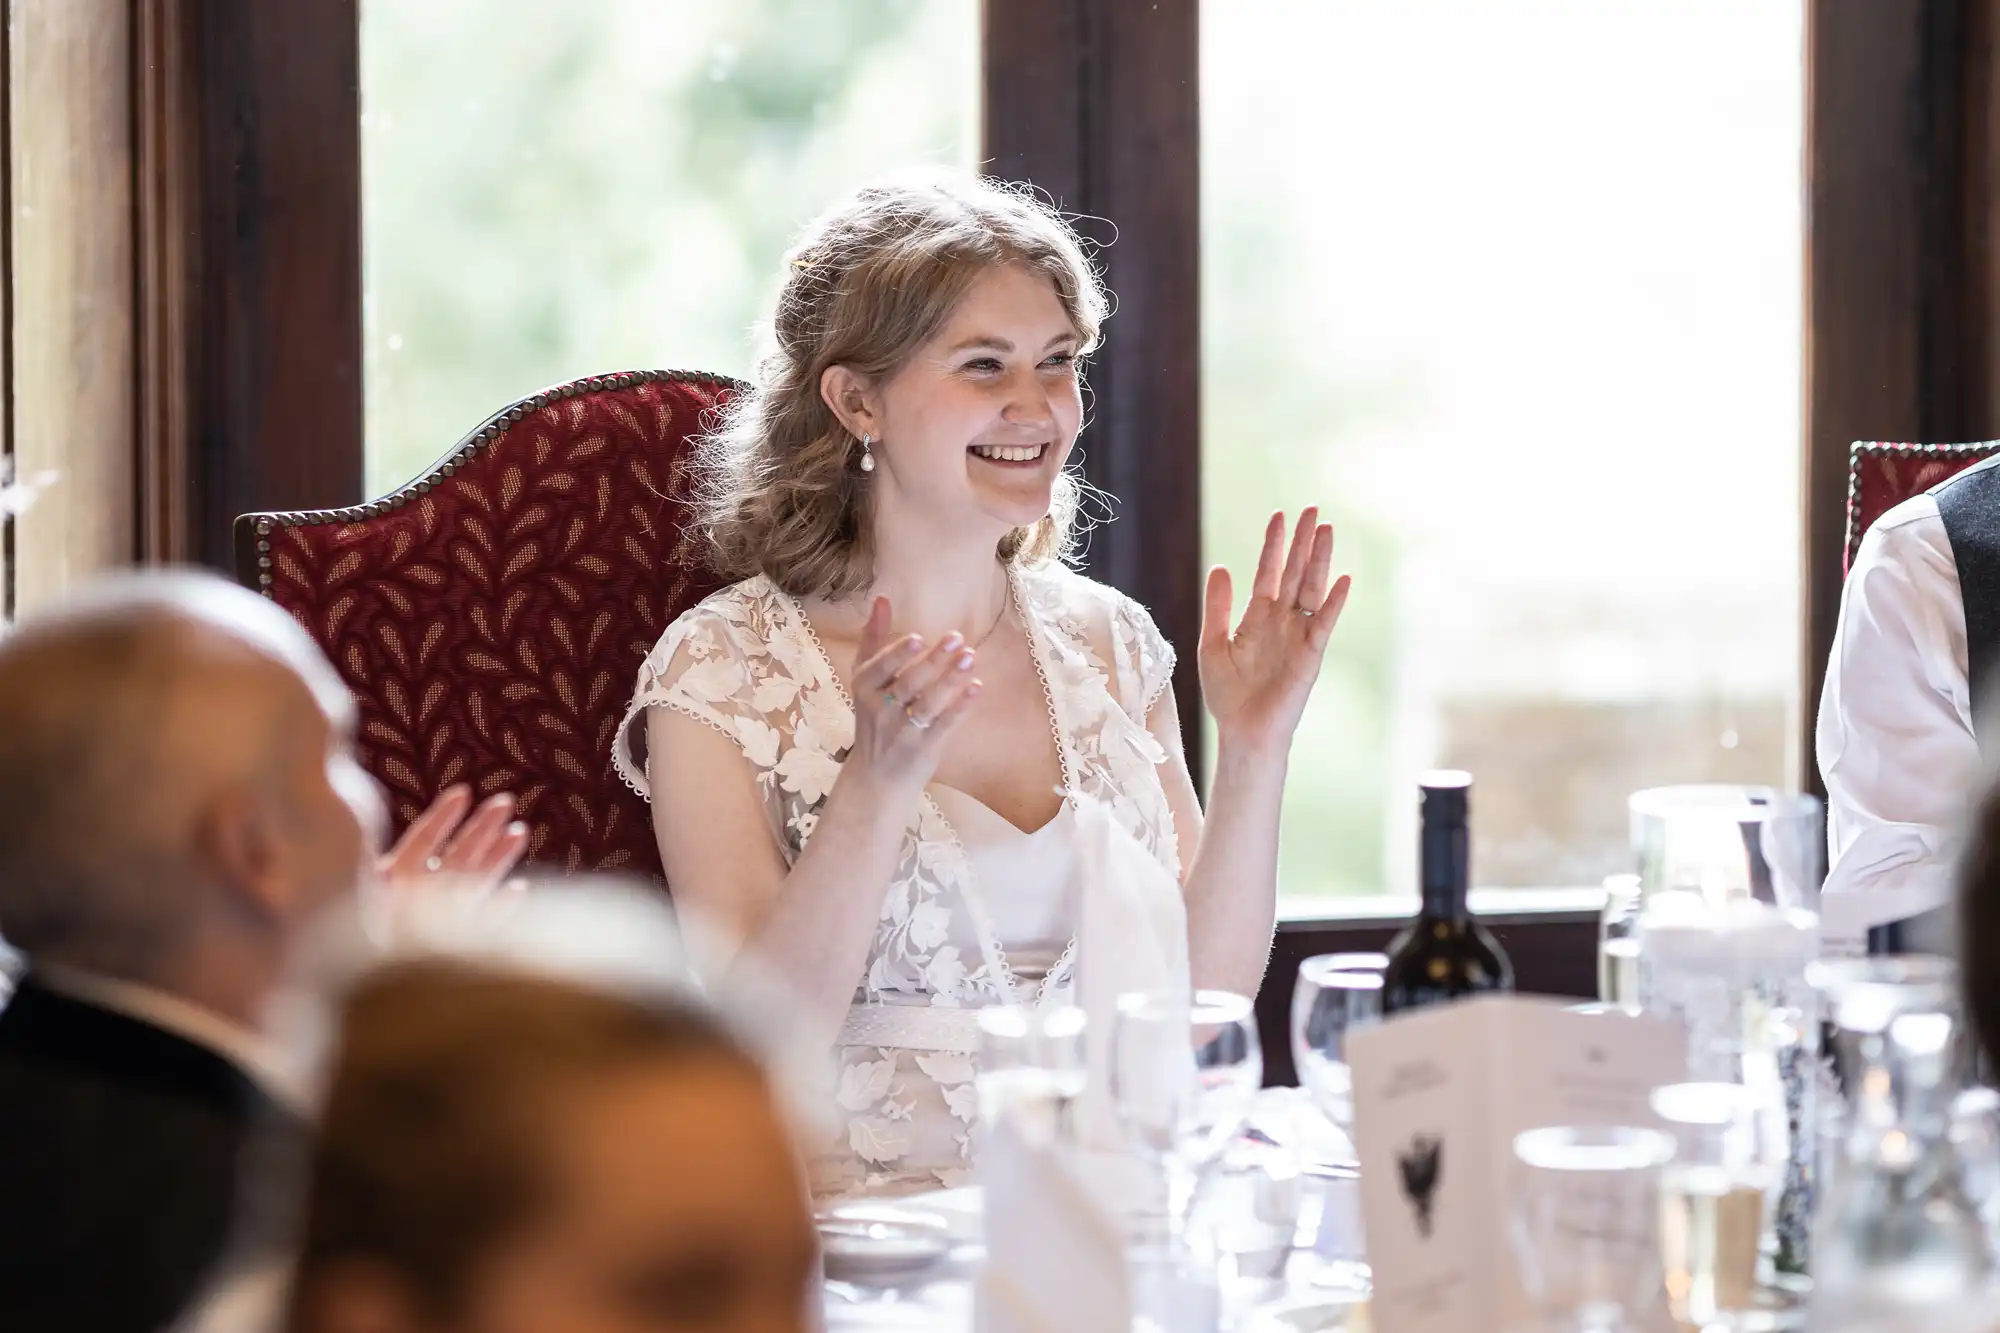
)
(782, 492)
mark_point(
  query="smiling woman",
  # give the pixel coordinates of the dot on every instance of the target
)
(839, 797)
(877, 288)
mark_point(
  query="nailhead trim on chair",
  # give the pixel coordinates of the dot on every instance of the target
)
(1863, 449)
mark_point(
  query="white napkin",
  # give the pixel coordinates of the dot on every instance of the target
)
(1131, 936)
(1055, 1255)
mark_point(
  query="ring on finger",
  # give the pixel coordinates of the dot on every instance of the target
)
(1306, 611)
(434, 864)
(920, 723)
(889, 697)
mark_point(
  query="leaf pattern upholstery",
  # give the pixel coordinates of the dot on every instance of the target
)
(491, 616)
(1881, 476)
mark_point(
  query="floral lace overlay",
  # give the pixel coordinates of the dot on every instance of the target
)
(747, 663)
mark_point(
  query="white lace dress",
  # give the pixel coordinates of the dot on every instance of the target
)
(978, 912)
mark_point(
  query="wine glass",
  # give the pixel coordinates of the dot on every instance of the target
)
(1584, 1222)
(1334, 993)
(1184, 1070)
(1618, 944)
(1032, 1069)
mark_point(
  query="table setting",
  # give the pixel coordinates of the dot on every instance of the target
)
(1748, 1131)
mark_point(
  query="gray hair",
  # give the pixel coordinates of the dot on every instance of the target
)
(90, 863)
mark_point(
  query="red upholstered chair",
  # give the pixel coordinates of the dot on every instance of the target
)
(1881, 476)
(491, 616)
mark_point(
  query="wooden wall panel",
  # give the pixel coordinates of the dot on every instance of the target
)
(71, 280)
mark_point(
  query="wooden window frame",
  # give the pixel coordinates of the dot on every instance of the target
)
(246, 225)
(182, 252)
(1901, 118)
(249, 207)
(1096, 103)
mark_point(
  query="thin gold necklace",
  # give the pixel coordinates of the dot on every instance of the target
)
(1006, 601)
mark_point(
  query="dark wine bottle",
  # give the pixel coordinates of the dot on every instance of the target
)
(1444, 954)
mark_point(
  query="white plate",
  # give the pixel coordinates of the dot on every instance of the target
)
(1313, 1312)
(875, 1244)
(963, 1210)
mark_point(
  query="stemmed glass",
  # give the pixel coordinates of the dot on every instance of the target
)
(1585, 1224)
(1335, 993)
(1618, 944)
(1184, 1071)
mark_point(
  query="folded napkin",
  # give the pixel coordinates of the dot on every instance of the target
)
(1131, 936)
(1055, 1255)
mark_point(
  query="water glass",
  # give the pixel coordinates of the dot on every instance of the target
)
(1618, 944)
(1729, 1162)
(1248, 1219)
(1584, 1222)
(1032, 1069)
(1897, 1243)
(1975, 1134)
(1184, 1071)
(1334, 993)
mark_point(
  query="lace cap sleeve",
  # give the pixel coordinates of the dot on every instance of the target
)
(1142, 656)
(702, 667)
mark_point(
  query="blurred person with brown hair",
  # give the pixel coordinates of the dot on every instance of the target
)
(1978, 908)
(178, 798)
(507, 1151)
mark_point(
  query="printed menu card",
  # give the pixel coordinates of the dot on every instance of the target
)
(1438, 1097)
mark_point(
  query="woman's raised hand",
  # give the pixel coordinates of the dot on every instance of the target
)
(907, 697)
(1256, 679)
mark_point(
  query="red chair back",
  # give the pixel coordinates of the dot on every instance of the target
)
(491, 616)
(1881, 476)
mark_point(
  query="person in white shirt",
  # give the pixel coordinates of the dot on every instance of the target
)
(178, 798)
(1897, 742)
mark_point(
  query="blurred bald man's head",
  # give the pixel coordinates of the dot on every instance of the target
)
(177, 793)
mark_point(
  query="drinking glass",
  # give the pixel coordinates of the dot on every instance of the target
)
(1729, 1162)
(1728, 843)
(1183, 1073)
(1975, 1134)
(1334, 993)
(1032, 1067)
(1618, 944)
(1584, 1222)
(1899, 1244)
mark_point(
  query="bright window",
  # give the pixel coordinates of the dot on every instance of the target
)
(553, 190)
(1513, 287)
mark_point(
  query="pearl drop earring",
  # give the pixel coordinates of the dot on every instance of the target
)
(867, 458)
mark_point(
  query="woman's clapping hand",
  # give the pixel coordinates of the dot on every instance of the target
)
(908, 695)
